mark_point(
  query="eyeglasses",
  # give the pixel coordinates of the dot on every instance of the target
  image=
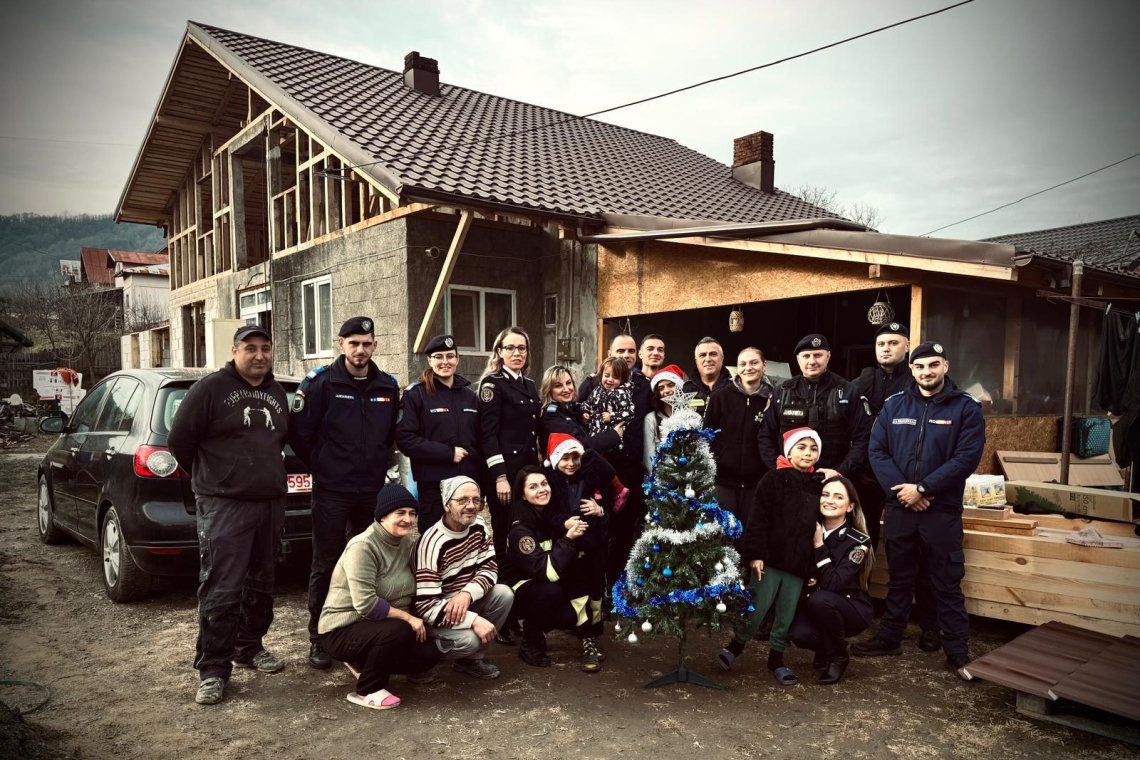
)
(469, 501)
(444, 357)
(513, 349)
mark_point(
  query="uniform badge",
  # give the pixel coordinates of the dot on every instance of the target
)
(366, 325)
(858, 554)
(298, 402)
(815, 342)
(894, 325)
(449, 342)
(487, 393)
(938, 347)
(526, 545)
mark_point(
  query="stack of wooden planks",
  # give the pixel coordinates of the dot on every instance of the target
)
(1020, 568)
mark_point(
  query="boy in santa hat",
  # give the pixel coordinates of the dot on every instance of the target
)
(778, 547)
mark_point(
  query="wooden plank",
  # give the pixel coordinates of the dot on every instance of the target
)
(1060, 523)
(917, 313)
(1014, 529)
(1012, 350)
(1044, 600)
(1033, 616)
(238, 250)
(1091, 591)
(1043, 567)
(197, 127)
(444, 278)
(1052, 547)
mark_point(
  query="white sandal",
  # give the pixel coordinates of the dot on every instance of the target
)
(377, 700)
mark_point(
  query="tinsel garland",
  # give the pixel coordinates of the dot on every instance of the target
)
(732, 527)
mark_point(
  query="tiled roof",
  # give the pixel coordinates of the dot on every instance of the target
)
(1105, 245)
(576, 167)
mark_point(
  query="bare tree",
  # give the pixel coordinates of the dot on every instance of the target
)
(78, 322)
(828, 200)
(144, 315)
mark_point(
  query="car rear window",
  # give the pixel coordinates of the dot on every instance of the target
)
(170, 399)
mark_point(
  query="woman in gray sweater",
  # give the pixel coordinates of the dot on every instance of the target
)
(366, 622)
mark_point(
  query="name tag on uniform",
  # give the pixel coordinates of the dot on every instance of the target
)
(381, 399)
(904, 421)
(345, 396)
(440, 409)
(794, 413)
(697, 402)
(473, 411)
(941, 422)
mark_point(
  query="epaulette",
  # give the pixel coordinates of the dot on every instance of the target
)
(862, 538)
(315, 371)
(552, 408)
(413, 385)
(888, 398)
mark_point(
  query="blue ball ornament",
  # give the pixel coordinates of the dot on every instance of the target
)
(751, 608)
(682, 461)
(657, 547)
(656, 515)
(646, 564)
(668, 573)
(639, 582)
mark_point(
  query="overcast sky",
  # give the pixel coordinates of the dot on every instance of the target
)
(930, 123)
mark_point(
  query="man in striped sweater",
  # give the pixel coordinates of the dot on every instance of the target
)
(457, 593)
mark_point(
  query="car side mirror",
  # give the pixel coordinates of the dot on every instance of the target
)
(53, 425)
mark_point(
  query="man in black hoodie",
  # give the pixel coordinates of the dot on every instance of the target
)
(708, 375)
(229, 434)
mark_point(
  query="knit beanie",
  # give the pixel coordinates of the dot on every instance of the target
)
(447, 488)
(393, 496)
(559, 445)
(793, 436)
(672, 373)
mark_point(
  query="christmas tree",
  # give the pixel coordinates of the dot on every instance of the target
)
(683, 571)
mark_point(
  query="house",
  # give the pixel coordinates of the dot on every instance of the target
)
(98, 266)
(146, 291)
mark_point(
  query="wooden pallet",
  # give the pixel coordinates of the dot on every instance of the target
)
(1077, 716)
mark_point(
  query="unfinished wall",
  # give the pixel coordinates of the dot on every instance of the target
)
(1016, 434)
(219, 294)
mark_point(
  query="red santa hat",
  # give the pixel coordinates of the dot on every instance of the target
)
(672, 373)
(559, 445)
(794, 436)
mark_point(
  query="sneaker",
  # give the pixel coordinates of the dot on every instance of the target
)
(477, 668)
(876, 646)
(531, 654)
(958, 663)
(590, 661)
(424, 677)
(930, 641)
(210, 691)
(318, 658)
(263, 662)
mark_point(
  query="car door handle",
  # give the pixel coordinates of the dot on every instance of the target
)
(110, 452)
(74, 450)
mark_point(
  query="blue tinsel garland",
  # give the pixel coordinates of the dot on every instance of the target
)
(691, 597)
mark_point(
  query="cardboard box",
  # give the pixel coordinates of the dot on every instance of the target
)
(1045, 467)
(1090, 502)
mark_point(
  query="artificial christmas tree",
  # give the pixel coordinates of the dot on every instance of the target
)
(683, 572)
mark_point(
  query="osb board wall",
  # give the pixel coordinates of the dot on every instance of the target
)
(1016, 434)
(652, 276)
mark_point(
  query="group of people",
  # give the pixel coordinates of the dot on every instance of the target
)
(559, 467)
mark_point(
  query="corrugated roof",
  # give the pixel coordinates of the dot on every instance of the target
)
(576, 167)
(1110, 244)
(138, 257)
(98, 264)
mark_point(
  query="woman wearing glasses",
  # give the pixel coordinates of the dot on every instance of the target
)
(439, 427)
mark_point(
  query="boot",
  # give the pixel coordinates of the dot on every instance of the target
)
(834, 672)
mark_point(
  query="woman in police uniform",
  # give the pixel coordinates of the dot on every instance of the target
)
(558, 394)
(837, 605)
(439, 427)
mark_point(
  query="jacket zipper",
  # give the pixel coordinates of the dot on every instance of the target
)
(921, 436)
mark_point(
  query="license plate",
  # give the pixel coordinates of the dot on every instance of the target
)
(299, 483)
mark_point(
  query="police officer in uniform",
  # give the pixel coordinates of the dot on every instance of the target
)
(342, 426)
(825, 402)
(438, 429)
(927, 441)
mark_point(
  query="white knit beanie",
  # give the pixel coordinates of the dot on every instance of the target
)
(447, 488)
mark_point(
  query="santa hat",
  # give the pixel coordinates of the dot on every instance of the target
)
(672, 373)
(559, 445)
(794, 436)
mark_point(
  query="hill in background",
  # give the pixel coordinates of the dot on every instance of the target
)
(31, 245)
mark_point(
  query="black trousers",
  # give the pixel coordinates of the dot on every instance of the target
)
(500, 517)
(927, 542)
(874, 502)
(544, 606)
(431, 504)
(825, 620)
(337, 516)
(238, 544)
(625, 526)
(738, 501)
(379, 649)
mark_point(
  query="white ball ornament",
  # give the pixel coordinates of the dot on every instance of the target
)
(719, 566)
(647, 626)
(632, 638)
(720, 607)
(617, 627)
(690, 493)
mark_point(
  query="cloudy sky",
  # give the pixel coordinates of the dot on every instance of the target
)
(930, 123)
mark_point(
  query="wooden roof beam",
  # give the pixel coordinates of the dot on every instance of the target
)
(200, 127)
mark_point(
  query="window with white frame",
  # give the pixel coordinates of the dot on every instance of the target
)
(476, 315)
(316, 305)
(256, 308)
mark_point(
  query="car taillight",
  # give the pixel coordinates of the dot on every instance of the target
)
(154, 462)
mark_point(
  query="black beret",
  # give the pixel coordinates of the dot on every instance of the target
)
(813, 342)
(893, 328)
(925, 349)
(392, 497)
(245, 331)
(440, 343)
(356, 326)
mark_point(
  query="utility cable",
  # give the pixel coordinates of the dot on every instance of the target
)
(69, 142)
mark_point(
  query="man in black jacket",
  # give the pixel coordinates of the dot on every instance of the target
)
(342, 426)
(709, 373)
(229, 434)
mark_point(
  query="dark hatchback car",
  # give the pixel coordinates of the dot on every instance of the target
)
(110, 481)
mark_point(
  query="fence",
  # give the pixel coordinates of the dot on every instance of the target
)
(16, 368)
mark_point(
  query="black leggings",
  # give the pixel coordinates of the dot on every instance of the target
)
(379, 648)
(825, 620)
(544, 606)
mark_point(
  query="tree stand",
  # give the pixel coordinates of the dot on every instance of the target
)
(683, 674)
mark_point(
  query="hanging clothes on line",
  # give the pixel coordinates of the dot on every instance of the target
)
(1119, 346)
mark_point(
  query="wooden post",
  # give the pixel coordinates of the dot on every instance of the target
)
(239, 253)
(917, 312)
(444, 278)
(1070, 372)
(273, 184)
(1012, 351)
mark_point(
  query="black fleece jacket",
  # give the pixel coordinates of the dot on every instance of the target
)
(230, 435)
(738, 414)
(782, 522)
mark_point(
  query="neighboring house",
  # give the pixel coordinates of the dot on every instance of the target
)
(99, 266)
(146, 291)
(71, 269)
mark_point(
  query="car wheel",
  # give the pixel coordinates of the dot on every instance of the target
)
(122, 579)
(45, 516)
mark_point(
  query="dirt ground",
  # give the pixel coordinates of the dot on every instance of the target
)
(122, 687)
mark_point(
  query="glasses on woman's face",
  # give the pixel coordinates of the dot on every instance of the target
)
(513, 349)
(443, 357)
(469, 501)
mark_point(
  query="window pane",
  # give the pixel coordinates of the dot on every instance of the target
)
(310, 309)
(498, 315)
(325, 322)
(84, 416)
(972, 327)
(119, 411)
(465, 318)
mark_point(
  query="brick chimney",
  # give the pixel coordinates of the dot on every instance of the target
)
(752, 162)
(421, 74)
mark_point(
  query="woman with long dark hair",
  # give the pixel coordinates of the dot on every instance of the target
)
(439, 427)
(665, 382)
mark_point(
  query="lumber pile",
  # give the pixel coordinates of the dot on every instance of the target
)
(1020, 568)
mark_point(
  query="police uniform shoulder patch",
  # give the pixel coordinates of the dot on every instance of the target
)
(487, 392)
(858, 554)
(298, 402)
(315, 371)
(413, 385)
(551, 408)
(859, 536)
(526, 545)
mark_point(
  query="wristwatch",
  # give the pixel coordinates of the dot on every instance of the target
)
(921, 488)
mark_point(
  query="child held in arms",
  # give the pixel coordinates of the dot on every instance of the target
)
(611, 402)
(778, 547)
(578, 480)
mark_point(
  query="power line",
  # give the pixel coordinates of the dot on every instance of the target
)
(571, 118)
(56, 256)
(69, 142)
(1031, 195)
